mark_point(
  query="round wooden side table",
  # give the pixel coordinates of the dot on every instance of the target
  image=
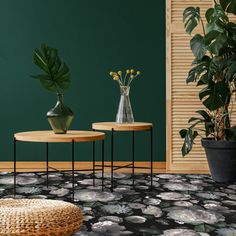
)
(130, 127)
(72, 136)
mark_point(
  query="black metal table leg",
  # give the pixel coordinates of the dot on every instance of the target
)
(112, 157)
(73, 169)
(47, 163)
(133, 157)
(102, 164)
(151, 133)
(14, 166)
(94, 163)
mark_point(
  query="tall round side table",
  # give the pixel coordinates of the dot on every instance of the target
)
(72, 136)
(129, 127)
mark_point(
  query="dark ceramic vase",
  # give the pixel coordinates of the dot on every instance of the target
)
(60, 116)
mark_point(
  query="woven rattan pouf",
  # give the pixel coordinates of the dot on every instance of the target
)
(37, 217)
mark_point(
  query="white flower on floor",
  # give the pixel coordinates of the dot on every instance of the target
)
(93, 196)
(107, 227)
(182, 187)
(226, 232)
(152, 201)
(207, 195)
(180, 232)
(195, 216)
(152, 210)
(136, 219)
(173, 196)
(60, 192)
(116, 209)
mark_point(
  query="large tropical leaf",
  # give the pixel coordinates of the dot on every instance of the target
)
(57, 74)
(231, 133)
(205, 115)
(189, 136)
(229, 6)
(214, 95)
(228, 66)
(216, 19)
(217, 47)
(191, 17)
(216, 42)
(198, 46)
(206, 119)
(200, 73)
(209, 125)
(216, 14)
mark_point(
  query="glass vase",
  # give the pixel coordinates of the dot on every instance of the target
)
(60, 116)
(124, 113)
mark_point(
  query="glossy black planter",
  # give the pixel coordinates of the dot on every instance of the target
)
(221, 156)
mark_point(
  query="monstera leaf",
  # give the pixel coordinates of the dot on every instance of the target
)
(56, 75)
(214, 95)
(191, 17)
(189, 135)
(231, 133)
(202, 72)
(229, 6)
(198, 46)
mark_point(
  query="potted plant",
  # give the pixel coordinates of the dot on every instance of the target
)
(214, 72)
(55, 78)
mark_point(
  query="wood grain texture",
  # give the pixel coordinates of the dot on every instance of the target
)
(158, 167)
(136, 126)
(41, 166)
(50, 137)
(181, 99)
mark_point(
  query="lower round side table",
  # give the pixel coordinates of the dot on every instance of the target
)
(72, 136)
(129, 127)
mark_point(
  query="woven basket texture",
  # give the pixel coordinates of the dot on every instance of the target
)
(38, 217)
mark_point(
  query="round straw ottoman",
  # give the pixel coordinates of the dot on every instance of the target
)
(38, 217)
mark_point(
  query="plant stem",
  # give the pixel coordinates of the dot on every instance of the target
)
(203, 27)
(130, 81)
(121, 78)
(125, 77)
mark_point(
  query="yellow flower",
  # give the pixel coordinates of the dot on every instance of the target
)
(116, 77)
(127, 71)
(132, 76)
(111, 73)
(132, 71)
(119, 72)
(138, 72)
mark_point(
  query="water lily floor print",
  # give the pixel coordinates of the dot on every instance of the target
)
(178, 205)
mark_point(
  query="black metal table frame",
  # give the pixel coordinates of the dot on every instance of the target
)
(131, 165)
(72, 163)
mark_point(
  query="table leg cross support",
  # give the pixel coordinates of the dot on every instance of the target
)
(133, 159)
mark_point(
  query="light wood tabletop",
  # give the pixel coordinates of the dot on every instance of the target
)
(49, 136)
(122, 127)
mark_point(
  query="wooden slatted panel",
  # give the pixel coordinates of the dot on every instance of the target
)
(182, 99)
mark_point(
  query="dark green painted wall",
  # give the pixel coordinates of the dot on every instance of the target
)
(94, 37)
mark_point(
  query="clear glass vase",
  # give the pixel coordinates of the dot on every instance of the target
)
(124, 113)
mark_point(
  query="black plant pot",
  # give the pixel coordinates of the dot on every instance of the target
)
(221, 156)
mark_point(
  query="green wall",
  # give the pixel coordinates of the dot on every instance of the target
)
(94, 37)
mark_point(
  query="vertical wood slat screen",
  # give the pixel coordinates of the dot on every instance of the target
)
(182, 99)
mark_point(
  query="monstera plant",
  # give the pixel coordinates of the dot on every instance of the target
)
(214, 72)
(55, 77)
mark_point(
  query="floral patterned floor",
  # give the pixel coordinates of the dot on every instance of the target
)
(178, 205)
